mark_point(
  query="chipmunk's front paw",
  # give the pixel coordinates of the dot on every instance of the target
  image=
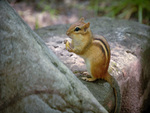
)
(68, 46)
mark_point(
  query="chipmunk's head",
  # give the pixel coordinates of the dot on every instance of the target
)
(79, 29)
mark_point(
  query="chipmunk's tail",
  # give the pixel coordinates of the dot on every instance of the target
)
(117, 93)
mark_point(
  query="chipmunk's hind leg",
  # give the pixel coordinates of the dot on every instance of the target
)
(86, 73)
(89, 79)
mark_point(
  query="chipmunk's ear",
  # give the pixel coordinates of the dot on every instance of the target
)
(86, 26)
(81, 19)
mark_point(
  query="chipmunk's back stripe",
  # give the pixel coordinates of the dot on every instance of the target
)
(103, 49)
(104, 46)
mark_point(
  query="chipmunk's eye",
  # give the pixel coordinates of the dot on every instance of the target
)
(77, 29)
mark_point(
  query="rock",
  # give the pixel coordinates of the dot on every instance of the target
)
(128, 42)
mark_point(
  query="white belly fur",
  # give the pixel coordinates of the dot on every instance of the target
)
(88, 66)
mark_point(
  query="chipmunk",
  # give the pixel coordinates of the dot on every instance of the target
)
(95, 51)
